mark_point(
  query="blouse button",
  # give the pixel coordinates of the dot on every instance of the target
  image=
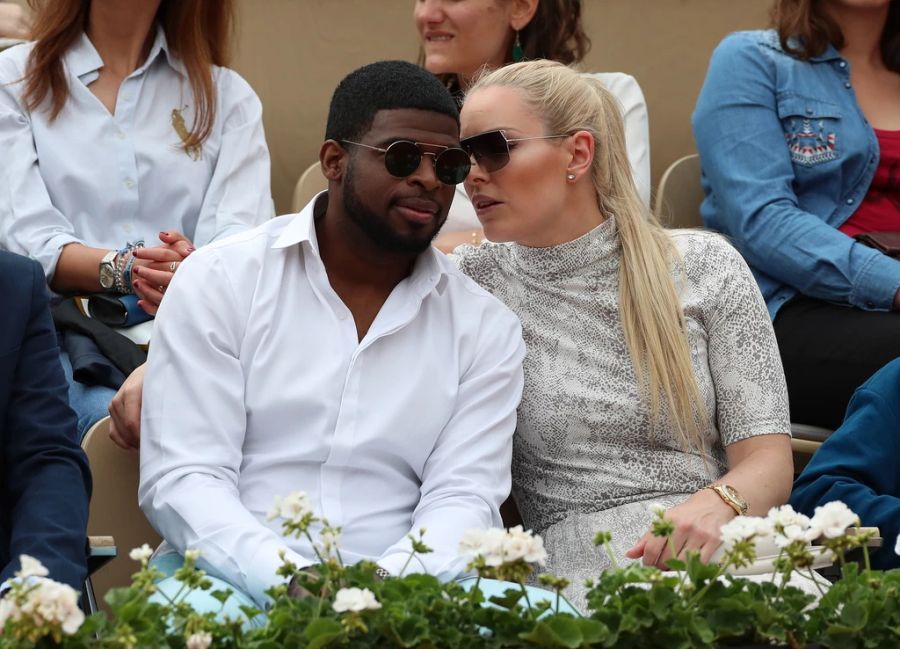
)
(843, 64)
(847, 84)
(129, 183)
(849, 201)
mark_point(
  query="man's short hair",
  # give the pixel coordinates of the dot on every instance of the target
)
(384, 85)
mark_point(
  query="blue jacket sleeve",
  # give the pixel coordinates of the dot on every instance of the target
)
(858, 463)
(48, 481)
(749, 178)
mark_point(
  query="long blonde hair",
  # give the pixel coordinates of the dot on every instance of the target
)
(652, 316)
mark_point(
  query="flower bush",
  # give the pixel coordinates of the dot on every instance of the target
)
(695, 605)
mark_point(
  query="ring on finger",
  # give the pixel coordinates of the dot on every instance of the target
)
(173, 266)
(161, 288)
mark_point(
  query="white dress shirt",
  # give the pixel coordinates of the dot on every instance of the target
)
(105, 179)
(257, 385)
(637, 140)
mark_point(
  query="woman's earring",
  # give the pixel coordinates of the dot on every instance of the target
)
(517, 52)
(570, 177)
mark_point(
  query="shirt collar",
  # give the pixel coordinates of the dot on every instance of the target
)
(82, 58)
(428, 271)
(830, 53)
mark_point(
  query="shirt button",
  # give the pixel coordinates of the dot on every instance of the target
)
(127, 228)
(843, 64)
(129, 183)
(849, 201)
(809, 111)
(126, 96)
(120, 135)
(847, 84)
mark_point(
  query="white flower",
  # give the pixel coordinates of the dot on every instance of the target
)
(744, 528)
(53, 603)
(141, 554)
(897, 547)
(788, 525)
(292, 507)
(831, 520)
(8, 610)
(658, 509)
(497, 546)
(31, 567)
(200, 640)
(355, 599)
(329, 539)
(192, 555)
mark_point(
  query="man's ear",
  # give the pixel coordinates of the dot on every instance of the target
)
(333, 158)
(522, 12)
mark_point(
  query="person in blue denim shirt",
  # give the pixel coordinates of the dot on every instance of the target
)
(788, 125)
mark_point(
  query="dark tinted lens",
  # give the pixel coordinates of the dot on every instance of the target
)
(402, 158)
(490, 149)
(452, 166)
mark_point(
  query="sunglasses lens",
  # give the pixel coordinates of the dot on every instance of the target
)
(402, 158)
(452, 166)
(491, 151)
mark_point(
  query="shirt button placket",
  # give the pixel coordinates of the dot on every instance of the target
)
(128, 158)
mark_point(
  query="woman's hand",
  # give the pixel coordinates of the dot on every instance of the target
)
(697, 527)
(14, 21)
(154, 268)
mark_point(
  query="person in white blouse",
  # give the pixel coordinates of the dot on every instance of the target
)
(460, 38)
(335, 352)
(126, 132)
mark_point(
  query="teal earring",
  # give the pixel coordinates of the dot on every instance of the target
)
(517, 52)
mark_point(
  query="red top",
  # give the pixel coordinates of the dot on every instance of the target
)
(880, 209)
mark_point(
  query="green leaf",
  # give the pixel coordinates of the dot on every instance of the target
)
(593, 632)
(509, 599)
(322, 631)
(854, 615)
(559, 631)
(221, 596)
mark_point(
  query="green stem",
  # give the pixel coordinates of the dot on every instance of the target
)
(313, 546)
(812, 578)
(527, 601)
(409, 559)
(865, 549)
(612, 557)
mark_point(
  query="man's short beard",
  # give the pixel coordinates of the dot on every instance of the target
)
(377, 227)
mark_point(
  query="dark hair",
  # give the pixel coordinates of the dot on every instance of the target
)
(197, 32)
(379, 86)
(806, 31)
(555, 33)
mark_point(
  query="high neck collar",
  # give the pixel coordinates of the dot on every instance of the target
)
(596, 249)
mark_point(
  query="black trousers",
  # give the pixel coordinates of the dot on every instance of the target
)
(828, 351)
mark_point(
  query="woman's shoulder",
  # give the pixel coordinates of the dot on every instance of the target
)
(13, 61)
(482, 263)
(706, 256)
(231, 86)
(752, 44)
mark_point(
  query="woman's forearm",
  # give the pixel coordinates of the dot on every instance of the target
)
(78, 269)
(761, 469)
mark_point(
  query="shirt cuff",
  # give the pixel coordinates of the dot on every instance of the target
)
(261, 574)
(877, 284)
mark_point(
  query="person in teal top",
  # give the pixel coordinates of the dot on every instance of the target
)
(858, 463)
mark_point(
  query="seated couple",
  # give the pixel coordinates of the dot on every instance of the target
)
(336, 352)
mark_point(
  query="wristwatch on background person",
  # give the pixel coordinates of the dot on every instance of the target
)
(731, 497)
(108, 270)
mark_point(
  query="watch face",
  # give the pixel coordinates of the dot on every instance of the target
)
(107, 276)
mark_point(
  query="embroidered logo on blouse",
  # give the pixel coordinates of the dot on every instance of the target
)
(811, 145)
(194, 151)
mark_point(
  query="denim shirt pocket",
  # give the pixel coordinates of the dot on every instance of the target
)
(811, 129)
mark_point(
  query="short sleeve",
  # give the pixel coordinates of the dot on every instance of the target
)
(744, 361)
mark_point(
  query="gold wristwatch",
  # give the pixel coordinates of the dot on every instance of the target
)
(731, 497)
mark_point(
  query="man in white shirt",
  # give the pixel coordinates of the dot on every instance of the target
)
(336, 352)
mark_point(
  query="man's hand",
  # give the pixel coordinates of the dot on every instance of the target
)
(14, 21)
(697, 527)
(125, 412)
(154, 268)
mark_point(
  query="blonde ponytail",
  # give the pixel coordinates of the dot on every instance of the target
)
(652, 316)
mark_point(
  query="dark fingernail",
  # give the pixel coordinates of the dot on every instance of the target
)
(163, 234)
(136, 270)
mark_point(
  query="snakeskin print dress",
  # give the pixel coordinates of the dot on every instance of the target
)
(587, 456)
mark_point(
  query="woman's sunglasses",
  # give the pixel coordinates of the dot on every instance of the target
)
(491, 149)
(402, 158)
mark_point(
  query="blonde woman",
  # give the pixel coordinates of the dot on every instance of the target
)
(652, 372)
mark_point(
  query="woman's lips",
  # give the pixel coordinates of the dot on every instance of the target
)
(483, 204)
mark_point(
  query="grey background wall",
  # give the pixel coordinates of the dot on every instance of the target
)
(293, 52)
